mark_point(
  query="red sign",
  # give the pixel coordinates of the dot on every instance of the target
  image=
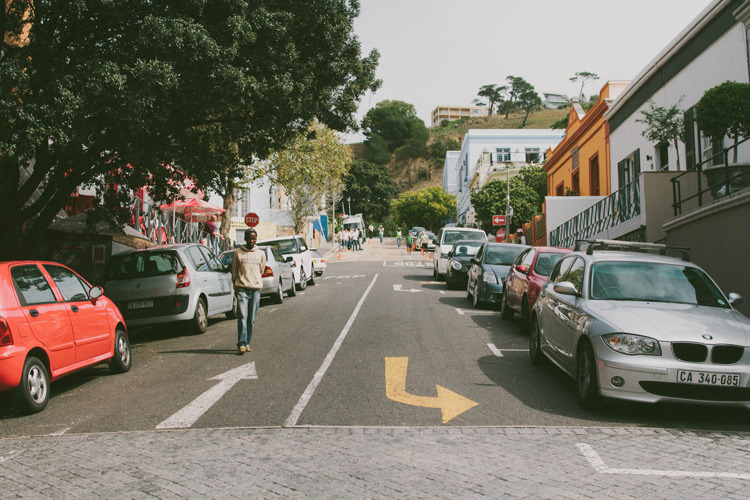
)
(341, 216)
(500, 236)
(251, 219)
(498, 220)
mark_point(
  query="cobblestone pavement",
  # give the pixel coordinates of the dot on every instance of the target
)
(379, 462)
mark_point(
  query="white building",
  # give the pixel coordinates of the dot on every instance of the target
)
(515, 147)
(449, 172)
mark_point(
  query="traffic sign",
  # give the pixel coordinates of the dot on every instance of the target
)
(500, 236)
(498, 220)
(251, 219)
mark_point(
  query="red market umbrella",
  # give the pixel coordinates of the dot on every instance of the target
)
(194, 210)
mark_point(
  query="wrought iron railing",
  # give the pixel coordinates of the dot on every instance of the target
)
(722, 179)
(162, 227)
(620, 206)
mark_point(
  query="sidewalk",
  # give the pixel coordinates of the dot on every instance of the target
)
(373, 250)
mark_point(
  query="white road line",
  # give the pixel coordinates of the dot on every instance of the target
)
(598, 464)
(307, 395)
(475, 311)
(499, 352)
(459, 311)
(188, 415)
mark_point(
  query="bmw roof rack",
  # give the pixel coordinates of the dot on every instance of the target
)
(631, 246)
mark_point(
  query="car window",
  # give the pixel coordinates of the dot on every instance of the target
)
(226, 258)
(302, 245)
(654, 282)
(480, 252)
(465, 249)
(502, 255)
(277, 255)
(560, 269)
(69, 284)
(575, 274)
(450, 237)
(214, 264)
(526, 258)
(283, 246)
(31, 286)
(197, 258)
(143, 265)
(545, 262)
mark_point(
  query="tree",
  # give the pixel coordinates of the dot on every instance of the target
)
(307, 168)
(663, 126)
(133, 94)
(490, 200)
(428, 207)
(583, 77)
(370, 188)
(529, 101)
(393, 124)
(535, 177)
(493, 93)
(518, 86)
(724, 110)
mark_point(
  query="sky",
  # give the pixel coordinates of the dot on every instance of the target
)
(440, 52)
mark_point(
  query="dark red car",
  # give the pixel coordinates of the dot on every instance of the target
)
(525, 279)
(52, 322)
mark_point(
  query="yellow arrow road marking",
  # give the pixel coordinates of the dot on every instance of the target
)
(450, 403)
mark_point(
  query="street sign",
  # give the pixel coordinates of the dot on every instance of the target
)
(341, 216)
(498, 220)
(500, 236)
(251, 219)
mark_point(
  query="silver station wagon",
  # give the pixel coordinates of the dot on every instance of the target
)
(629, 322)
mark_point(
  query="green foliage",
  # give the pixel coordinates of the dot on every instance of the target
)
(370, 188)
(663, 125)
(529, 101)
(725, 110)
(490, 200)
(495, 94)
(535, 177)
(583, 77)
(114, 92)
(427, 207)
(391, 125)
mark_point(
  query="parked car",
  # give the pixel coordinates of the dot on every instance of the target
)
(318, 261)
(170, 283)
(52, 323)
(488, 271)
(525, 279)
(639, 326)
(278, 276)
(295, 246)
(460, 262)
(446, 237)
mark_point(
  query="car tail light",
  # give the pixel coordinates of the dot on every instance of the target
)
(5, 337)
(267, 272)
(183, 278)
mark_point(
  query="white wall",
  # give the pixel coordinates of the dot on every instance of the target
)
(449, 172)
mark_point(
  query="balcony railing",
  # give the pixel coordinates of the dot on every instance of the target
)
(622, 205)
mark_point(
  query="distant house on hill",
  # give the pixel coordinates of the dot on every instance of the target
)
(451, 113)
(555, 101)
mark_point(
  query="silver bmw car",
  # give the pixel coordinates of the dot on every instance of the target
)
(627, 321)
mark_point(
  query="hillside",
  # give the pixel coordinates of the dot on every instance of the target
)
(413, 174)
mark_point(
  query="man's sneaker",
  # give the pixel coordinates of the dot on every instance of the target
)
(241, 350)
(247, 349)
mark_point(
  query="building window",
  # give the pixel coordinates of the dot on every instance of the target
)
(594, 176)
(712, 151)
(629, 169)
(662, 151)
(533, 155)
(503, 155)
(560, 189)
(576, 184)
(574, 158)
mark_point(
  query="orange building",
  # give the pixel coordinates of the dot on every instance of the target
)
(579, 165)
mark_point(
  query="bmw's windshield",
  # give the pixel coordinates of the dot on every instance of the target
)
(654, 282)
(502, 255)
(454, 235)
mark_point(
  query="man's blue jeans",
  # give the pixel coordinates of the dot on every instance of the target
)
(248, 302)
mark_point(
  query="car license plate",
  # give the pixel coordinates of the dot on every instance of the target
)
(140, 304)
(705, 378)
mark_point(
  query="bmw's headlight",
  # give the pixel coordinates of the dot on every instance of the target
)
(456, 265)
(490, 277)
(627, 343)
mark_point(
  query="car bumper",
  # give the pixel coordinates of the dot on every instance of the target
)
(490, 293)
(165, 310)
(653, 379)
(12, 358)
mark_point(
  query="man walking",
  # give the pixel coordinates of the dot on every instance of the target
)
(247, 277)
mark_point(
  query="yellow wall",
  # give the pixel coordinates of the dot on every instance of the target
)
(590, 134)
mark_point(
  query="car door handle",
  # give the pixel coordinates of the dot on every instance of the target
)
(74, 309)
(34, 313)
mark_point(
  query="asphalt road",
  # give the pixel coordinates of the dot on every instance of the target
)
(330, 355)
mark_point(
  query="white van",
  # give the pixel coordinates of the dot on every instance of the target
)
(446, 237)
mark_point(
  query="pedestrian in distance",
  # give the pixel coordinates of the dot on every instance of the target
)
(398, 238)
(521, 236)
(424, 240)
(409, 242)
(248, 264)
(380, 232)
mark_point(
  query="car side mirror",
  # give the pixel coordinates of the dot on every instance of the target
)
(565, 288)
(95, 293)
(290, 260)
(735, 299)
(450, 254)
(474, 260)
(522, 269)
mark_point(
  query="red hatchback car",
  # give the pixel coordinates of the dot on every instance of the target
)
(52, 322)
(525, 279)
